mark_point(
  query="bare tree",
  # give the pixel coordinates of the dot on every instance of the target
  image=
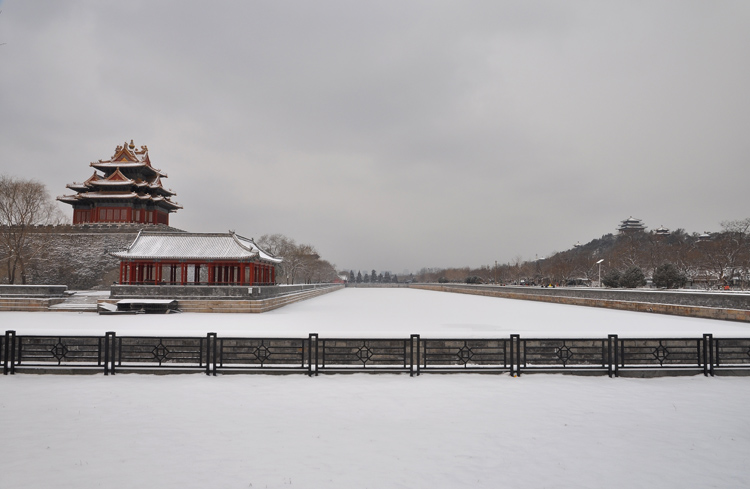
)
(23, 204)
(301, 261)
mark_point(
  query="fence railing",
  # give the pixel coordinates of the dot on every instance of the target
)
(413, 355)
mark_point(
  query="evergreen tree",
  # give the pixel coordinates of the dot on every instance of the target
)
(611, 279)
(359, 277)
(374, 277)
(632, 278)
(668, 276)
(366, 279)
(351, 276)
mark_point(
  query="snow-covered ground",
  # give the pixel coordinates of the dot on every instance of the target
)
(376, 431)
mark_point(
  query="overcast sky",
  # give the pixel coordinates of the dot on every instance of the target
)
(393, 134)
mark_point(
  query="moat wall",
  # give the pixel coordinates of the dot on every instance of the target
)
(724, 306)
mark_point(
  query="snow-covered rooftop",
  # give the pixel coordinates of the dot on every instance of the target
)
(198, 246)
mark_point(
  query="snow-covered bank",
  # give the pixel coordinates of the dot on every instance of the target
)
(388, 313)
(364, 431)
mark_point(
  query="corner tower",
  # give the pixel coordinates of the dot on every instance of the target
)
(128, 190)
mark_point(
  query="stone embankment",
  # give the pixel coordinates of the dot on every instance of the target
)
(230, 299)
(189, 299)
(707, 305)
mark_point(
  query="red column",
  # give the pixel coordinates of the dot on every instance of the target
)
(121, 269)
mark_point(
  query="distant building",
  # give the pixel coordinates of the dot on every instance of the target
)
(662, 231)
(129, 190)
(631, 225)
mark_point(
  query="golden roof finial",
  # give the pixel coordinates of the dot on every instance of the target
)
(131, 144)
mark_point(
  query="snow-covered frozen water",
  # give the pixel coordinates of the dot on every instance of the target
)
(389, 313)
(376, 431)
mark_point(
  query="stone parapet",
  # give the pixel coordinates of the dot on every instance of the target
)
(27, 304)
(32, 290)
(377, 286)
(208, 292)
(706, 305)
(247, 304)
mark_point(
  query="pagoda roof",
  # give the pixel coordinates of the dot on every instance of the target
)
(154, 245)
(631, 224)
(96, 195)
(127, 156)
(116, 179)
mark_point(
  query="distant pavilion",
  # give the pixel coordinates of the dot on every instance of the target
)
(631, 225)
(177, 258)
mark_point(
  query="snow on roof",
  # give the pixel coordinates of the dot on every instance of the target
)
(103, 195)
(127, 164)
(112, 183)
(199, 246)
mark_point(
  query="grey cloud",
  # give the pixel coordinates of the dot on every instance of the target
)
(393, 135)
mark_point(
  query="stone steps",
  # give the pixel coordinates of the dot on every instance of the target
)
(76, 303)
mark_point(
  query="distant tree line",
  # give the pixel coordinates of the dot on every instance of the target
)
(678, 259)
(372, 278)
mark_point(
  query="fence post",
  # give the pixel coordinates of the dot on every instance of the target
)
(9, 366)
(708, 355)
(7, 363)
(312, 355)
(612, 356)
(515, 355)
(113, 351)
(211, 353)
(414, 355)
(107, 351)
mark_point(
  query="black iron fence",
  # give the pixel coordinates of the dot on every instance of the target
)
(413, 355)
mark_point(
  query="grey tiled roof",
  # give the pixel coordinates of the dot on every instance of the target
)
(198, 246)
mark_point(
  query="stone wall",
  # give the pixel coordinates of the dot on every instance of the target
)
(209, 291)
(78, 255)
(732, 300)
(32, 290)
(273, 299)
(706, 305)
(376, 286)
